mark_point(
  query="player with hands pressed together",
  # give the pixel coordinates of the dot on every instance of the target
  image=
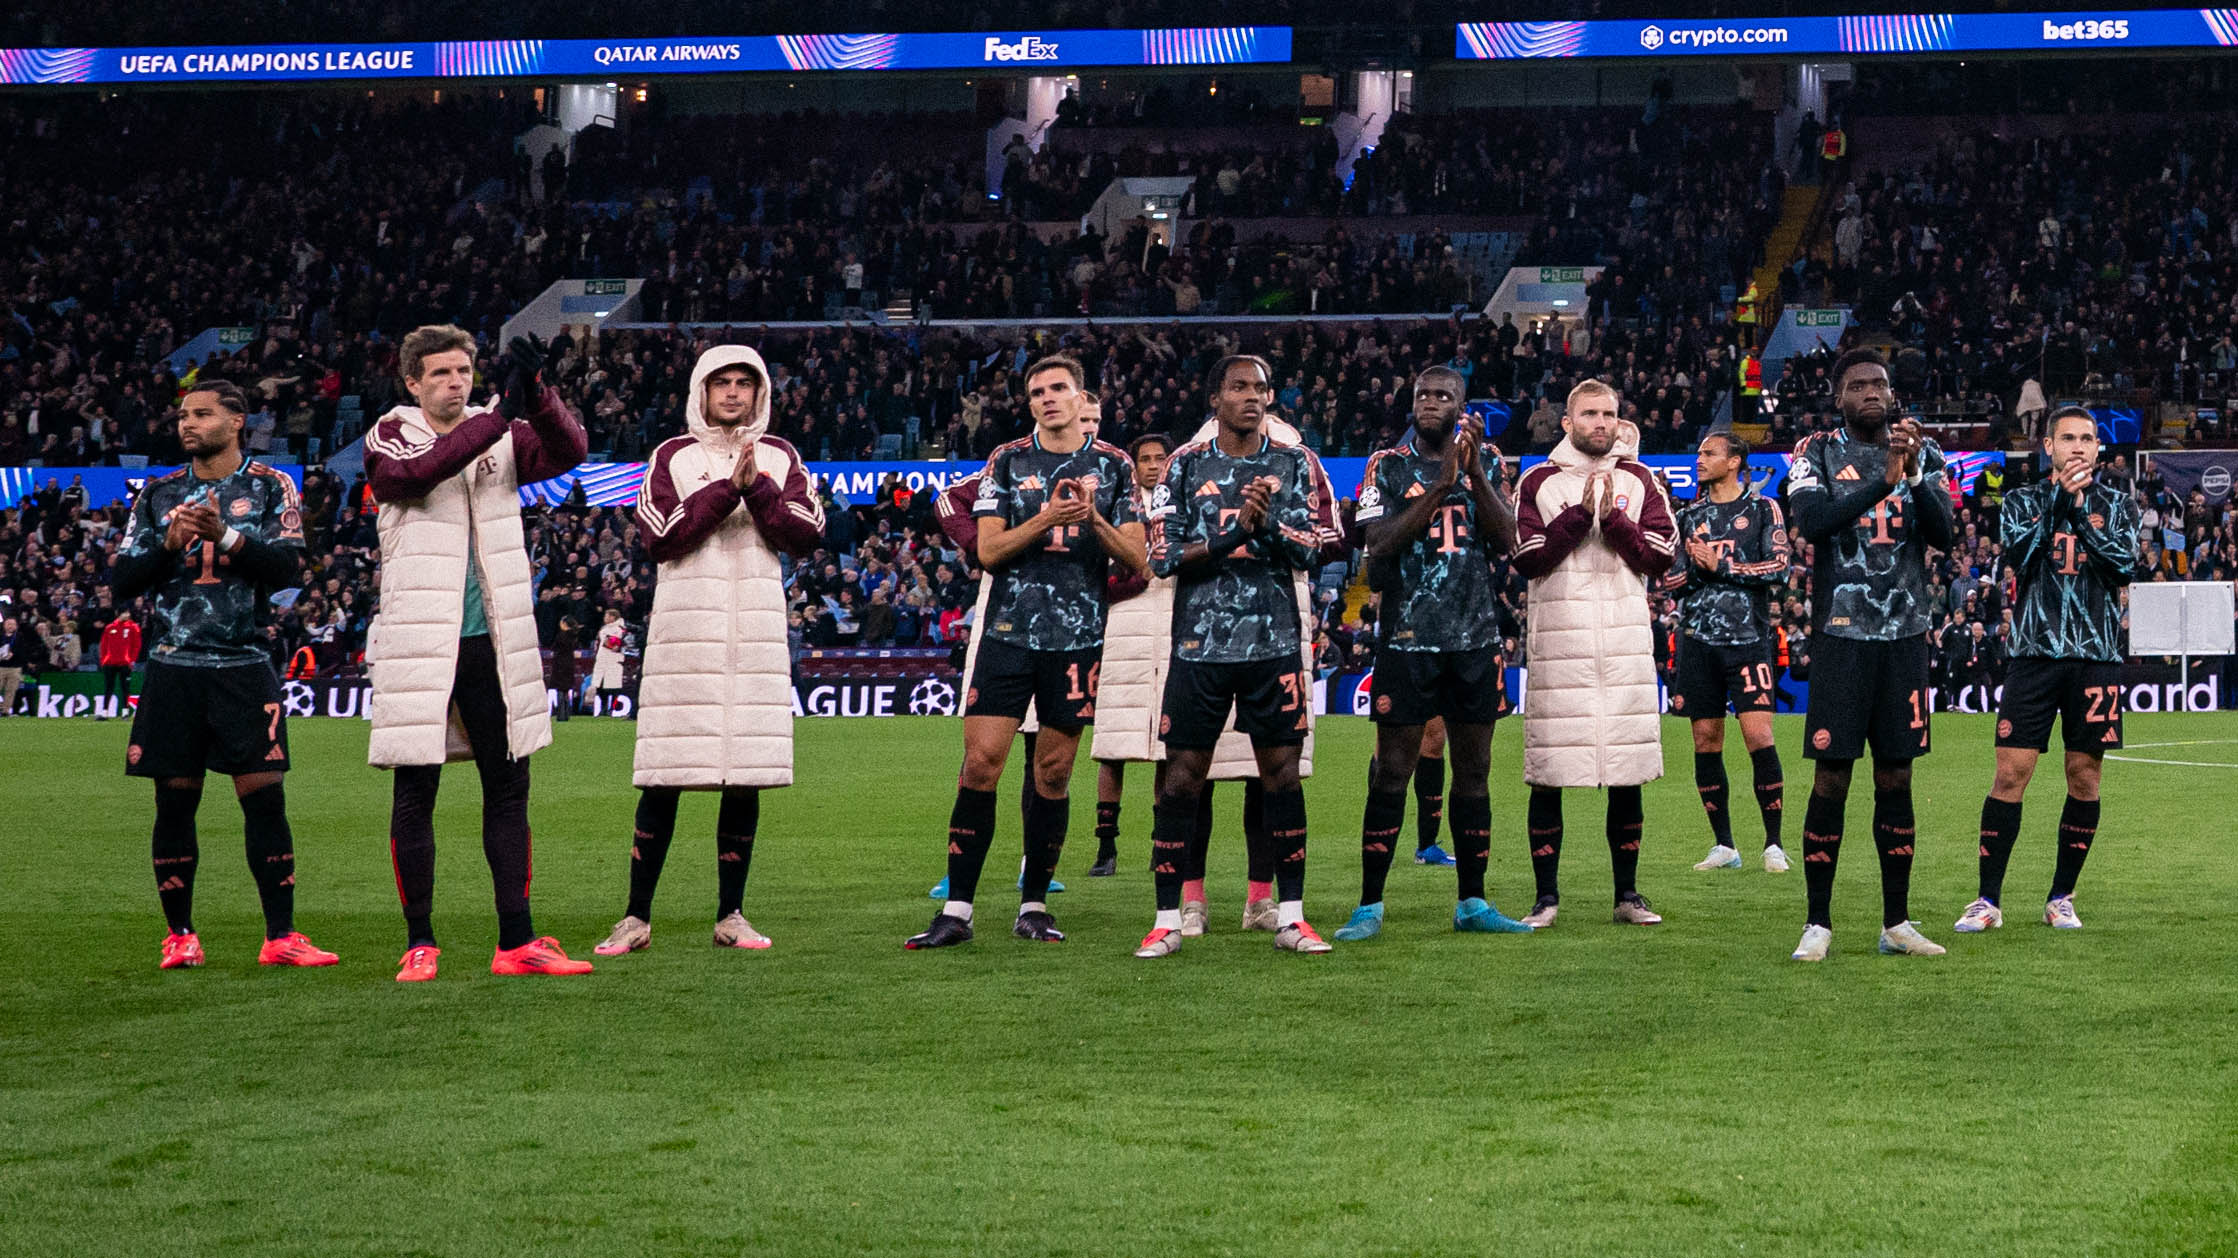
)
(1434, 522)
(1871, 497)
(2072, 546)
(1056, 512)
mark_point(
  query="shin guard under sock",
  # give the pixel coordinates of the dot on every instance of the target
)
(1892, 837)
(1771, 787)
(2000, 830)
(1545, 822)
(736, 820)
(1710, 783)
(271, 850)
(2078, 829)
(176, 854)
(1472, 843)
(1822, 851)
(648, 846)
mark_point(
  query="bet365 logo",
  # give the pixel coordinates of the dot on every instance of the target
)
(2070, 32)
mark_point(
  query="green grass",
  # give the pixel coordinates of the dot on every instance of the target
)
(1593, 1090)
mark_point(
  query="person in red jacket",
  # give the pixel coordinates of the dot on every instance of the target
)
(120, 650)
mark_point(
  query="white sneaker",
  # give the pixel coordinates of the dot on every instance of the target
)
(1300, 937)
(1542, 915)
(1979, 916)
(1775, 859)
(1816, 939)
(736, 932)
(629, 935)
(1192, 918)
(2060, 914)
(1633, 910)
(1257, 915)
(1720, 857)
(1160, 942)
(1904, 940)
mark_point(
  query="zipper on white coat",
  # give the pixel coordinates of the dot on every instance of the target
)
(730, 648)
(497, 646)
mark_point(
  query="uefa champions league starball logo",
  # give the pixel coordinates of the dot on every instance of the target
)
(932, 697)
(1651, 38)
(298, 698)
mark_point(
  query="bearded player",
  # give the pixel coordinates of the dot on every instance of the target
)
(212, 541)
(1593, 527)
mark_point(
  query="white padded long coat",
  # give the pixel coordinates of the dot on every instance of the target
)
(412, 649)
(715, 703)
(1590, 713)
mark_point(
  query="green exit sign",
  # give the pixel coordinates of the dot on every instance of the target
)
(236, 336)
(1561, 275)
(1818, 318)
(605, 288)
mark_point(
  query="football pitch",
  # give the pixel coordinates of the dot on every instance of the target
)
(1592, 1089)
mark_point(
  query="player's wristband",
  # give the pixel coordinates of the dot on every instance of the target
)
(231, 541)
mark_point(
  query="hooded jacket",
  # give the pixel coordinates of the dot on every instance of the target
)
(438, 491)
(1590, 711)
(715, 702)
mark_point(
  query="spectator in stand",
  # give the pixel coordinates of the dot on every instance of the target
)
(23, 654)
(120, 652)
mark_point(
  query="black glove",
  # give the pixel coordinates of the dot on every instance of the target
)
(524, 377)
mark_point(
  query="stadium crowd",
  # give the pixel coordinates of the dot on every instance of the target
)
(327, 227)
(2096, 259)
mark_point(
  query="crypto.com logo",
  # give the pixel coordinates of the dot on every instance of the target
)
(1651, 38)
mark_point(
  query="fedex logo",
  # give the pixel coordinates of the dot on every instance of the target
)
(1030, 48)
(2056, 32)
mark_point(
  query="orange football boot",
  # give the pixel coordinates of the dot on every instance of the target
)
(181, 952)
(418, 965)
(293, 949)
(537, 956)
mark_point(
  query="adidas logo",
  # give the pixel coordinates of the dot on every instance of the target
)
(1847, 473)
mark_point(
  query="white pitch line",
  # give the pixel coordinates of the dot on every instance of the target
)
(2189, 764)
